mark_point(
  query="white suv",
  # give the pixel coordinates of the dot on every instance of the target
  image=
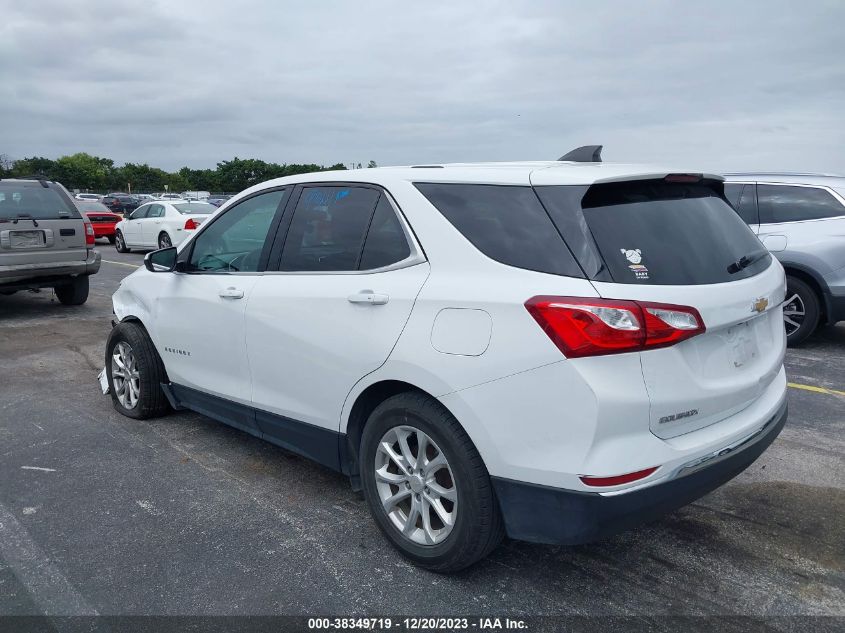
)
(552, 350)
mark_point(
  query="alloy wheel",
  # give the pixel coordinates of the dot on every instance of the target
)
(119, 243)
(415, 484)
(164, 241)
(125, 375)
(793, 314)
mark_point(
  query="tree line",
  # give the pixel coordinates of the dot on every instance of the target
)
(92, 173)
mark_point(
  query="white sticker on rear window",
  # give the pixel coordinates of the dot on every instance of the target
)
(635, 262)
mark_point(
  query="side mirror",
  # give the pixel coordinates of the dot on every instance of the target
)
(161, 261)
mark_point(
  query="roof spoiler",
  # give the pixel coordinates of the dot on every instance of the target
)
(584, 154)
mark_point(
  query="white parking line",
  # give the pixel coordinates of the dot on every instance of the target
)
(33, 568)
(108, 261)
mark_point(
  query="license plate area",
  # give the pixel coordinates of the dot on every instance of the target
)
(27, 239)
(742, 343)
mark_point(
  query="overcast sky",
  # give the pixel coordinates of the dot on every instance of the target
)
(724, 86)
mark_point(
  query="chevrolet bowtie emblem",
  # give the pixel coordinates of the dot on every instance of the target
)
(759, 304)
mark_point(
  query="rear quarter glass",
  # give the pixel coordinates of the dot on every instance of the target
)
(655, 232)
(507, 223)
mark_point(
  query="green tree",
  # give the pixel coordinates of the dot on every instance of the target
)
(35, 166)
(83, 171)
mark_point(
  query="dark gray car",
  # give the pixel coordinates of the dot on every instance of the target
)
(44, 241)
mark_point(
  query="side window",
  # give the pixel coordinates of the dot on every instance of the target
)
(747, 208)
(156, 211)
(386, 243)
(234, 241)
(140, 212)
(328, 228)
(732, 192)
(783, 203)
(506, 223)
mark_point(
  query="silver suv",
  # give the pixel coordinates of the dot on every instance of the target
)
(800, 218)
(44, 241)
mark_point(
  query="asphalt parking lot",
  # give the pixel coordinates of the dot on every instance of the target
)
(182, 515)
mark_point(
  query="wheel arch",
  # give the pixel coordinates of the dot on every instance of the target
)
(812, 279)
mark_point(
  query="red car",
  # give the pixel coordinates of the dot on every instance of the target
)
(101, 218)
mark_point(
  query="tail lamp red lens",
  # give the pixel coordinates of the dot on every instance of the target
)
(89, 234)
(595, 327)
(617, 480)
(190, 224)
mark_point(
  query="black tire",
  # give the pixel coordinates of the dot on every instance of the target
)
(111, 239)
(120, 243)
(805, 294)
(74, 293)
(478, 528)
(164, 240)
(151, 399)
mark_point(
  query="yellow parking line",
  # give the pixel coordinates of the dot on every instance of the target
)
(108, 261)
(814, 389)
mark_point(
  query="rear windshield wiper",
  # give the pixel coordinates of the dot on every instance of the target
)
(25, 216)
(746, 260)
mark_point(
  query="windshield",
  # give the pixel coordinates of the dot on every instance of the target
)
(31, 199)
(194, 207)
(656, 232)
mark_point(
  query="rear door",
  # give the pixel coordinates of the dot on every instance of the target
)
(39, 224)
(743, 198)
(679, 243)
(347, 273)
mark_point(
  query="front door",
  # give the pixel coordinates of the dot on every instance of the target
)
(132, 226)
(151, 225)
(199, 313)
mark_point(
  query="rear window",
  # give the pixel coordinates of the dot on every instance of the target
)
(195, 207)
(31, 199)
(657, 232)
(506, 223)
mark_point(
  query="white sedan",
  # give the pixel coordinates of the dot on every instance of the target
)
(160, 224)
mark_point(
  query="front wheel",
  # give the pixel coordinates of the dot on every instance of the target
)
(120, 243)
(801, 311)
(427, 486)
(135, 372)
(74, 293)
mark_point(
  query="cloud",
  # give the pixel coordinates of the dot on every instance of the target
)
(723, 86)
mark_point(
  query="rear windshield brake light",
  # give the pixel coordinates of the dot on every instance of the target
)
(581, 326)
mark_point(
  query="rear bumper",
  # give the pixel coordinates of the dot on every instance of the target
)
(543, 514)
(27, 275)
(103, 230)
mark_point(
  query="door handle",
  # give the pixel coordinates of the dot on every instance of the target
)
(368, 296)
(231, 293)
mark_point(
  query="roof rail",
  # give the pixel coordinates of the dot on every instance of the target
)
(584, 154)
(44, 182)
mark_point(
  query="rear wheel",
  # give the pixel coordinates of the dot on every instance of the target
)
(427, 486)
(75, 293)
(135, 373)
(801, 312)
(164, 240)
(120, 243)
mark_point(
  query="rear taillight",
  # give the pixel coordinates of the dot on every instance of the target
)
(89, 234)
(190, 225)
(594, 327)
